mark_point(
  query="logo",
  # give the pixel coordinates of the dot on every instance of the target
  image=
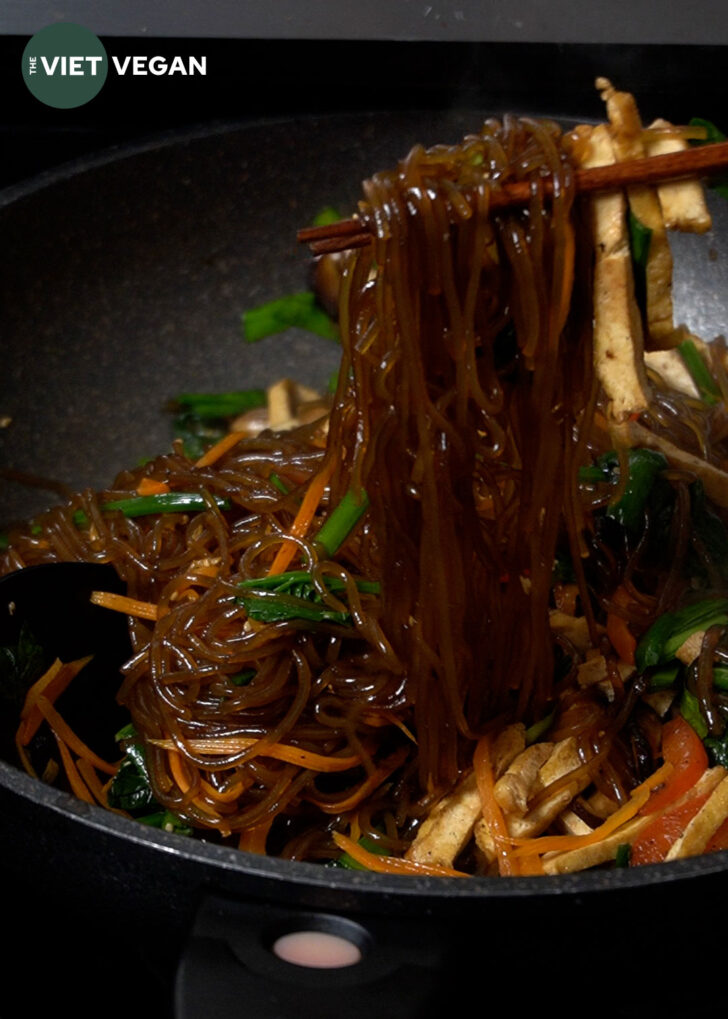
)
(65, 65)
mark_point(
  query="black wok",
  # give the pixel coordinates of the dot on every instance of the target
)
(124, 281)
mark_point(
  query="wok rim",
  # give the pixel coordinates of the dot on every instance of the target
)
(278, 871)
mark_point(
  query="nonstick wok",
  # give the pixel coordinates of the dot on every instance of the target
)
(124, 282)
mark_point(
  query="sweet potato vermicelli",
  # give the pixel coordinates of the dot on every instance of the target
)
(481, 611)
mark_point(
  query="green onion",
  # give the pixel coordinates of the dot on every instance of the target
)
(219, 405)
(294, 582)
(345, 860)
(664, 679)
(300, 310)
(690, 710)
(146, 505)
(242, 678)
(720, 677)
(640, 239)
(540, 728)
(667, 634)
(623, 855)
(293, 595)
(326, 216)
(276, 607)
(699, 372)
(342, 521)
(165, 820)
(644, 467)
(712, 134)
(277, 481)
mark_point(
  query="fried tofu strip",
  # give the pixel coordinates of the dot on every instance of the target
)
(447, 830)
(682, 202)
(563, 758)
(597, 853)
(627, 133)
(449, 827)
(671, 367)
(703, 826)
(618, 340)
(513, 789)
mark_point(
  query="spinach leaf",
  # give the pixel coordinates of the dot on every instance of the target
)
(300, 310)
(712, 134)
(20, 666)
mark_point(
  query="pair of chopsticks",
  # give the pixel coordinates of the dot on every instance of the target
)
(701, 161)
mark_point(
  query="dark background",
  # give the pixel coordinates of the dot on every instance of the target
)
(248, 79)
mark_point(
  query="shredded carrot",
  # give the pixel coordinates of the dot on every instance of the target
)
(50, 685)
(304, 516)
(92, 781)
(175, 766)
(381, 718)
(220, 448)
(620, 636)
(122, 603)
(365, 788)
(229, 795)
(78, 786)
(492, 813)
(152, 486)
(62, 731)
(565, 843)
(390, 864)
(279, 751)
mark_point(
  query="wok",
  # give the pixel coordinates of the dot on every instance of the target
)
(124, 281)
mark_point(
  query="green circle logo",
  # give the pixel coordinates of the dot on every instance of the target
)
(64, 65)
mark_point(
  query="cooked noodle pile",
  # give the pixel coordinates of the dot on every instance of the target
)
(467, 403)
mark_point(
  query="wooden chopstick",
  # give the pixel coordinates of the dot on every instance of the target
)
(700, 161)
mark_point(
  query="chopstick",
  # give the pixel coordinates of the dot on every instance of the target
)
(703, 160)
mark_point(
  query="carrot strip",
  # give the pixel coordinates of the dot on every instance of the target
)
(175, 766)
(565, 843)
(492, 813)
(122, 603)
(367, 786)
(62, 731)
(92, 781)
(50, 685)
(29, 714)
(279, 751)
(152, 486)
(377, 719)
(229, 795)
(304, 516)
(620, 636)
(220, 448)
(390, 864)
(78, 786)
